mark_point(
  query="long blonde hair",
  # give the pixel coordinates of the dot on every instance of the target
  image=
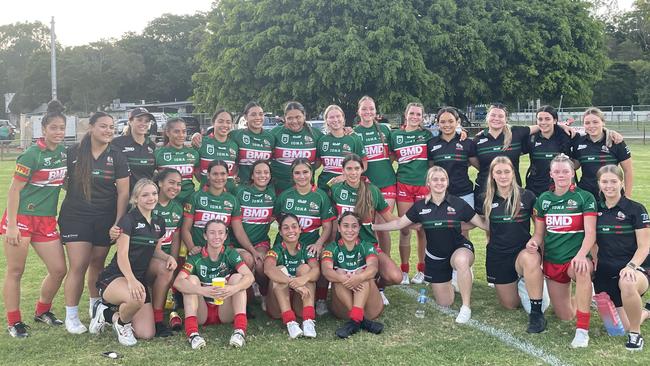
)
(513, 201)
(507, 132)
(598, 113)
(433, 170)
(332, 107)
(137, 190)
(409, 106)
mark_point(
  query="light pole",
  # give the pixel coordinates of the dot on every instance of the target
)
(53, 58)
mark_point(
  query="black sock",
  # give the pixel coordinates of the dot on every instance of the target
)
(535, 306)
(647, 305)
(120, 322)
(108, 315)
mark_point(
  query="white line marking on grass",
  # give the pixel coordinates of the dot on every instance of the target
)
(500, 334)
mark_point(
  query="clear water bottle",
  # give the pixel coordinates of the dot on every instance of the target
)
(422, 301)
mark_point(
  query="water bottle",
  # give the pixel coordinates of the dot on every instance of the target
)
(609, 315)
(422, 301)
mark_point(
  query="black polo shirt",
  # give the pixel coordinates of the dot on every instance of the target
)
(139, 156)
(441, 224)
(488, 148)
(453, 157)
(593, 155)
(106, 169)
(615, 234)
(143, 237)
(542, 150)
(507, 234)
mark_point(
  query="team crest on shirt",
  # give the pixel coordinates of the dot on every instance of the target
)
(150, 150)
(308, 140)
(109, 161)
(604, 149)
(284, 138)
(326, 146)
(620, 216)
(47, 161)
(451, 210)
(346, 147)
(245, 139)
(340, 257)
(203, 201)
(289, 204)
(344, 194)
(546, 204)
(227, 204)
(571, 204)
(167, 156)
(189, 155)
(400, 140)
(210, 149)
(313, 206)
(203, 270)
(459, 146)
(246, 196)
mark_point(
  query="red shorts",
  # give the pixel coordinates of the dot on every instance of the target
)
(41, 229)
(213, 314)
(378, 249)
(409, 193)
(389, 192)
(557, 272)
(263, 244)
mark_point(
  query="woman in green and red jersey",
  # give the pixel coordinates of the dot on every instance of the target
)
(30, 217)
(176, 156)
(254, 142)
(335, 146)
(296, 139)
(218, 146)
(293, 271)
(565, 231)
(409, 146)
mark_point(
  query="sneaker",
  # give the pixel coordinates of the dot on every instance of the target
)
(162, 330)
(536, 323)
(347, 329)
(237, 338)
(384, 299)
(18, 330)
(634, 342)
(309, 328)
(196, 341)
(97, 322)
(581, 339)
(48, 318)
(294, 330)
(74, 326)
(418, 278)
(91, 306)
(405, 279)
(321, 308)
(371, 326)
(464, 315)
(175, 321)
(124, 334)
(256, 290)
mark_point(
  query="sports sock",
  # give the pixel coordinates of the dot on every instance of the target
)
(404, 267)
(42, 308)
(308, 313)
(288, 316)
(356, 314)
(582, 320)
(158, 315)
(72, 312)
(191, 325)
(120, 321)
(420, 266)
(13, 317)
(536, 306)
(240, 322)
(93, 300)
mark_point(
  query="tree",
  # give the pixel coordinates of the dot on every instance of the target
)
(617, 86)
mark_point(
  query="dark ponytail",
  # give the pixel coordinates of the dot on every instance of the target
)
(54, 110)
(84, 165)
(293, 105)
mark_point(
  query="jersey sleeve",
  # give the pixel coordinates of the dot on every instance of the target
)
(538, 208)
(326, 211)
(589, 204)
(520, 134)
(277, 205)
(640, 219)
(528, 200)
(466, 211)
(26, 163)
(275, 253)
(190, 206)
(308, 256)
(369, 251)
(328, 252)
(380, 203)
(234, 259)
(126, 224)
(236, 209)
(190, 264)
(412, 213)
(621, 151)
(121, 166)
(359, 149)
(478, 208)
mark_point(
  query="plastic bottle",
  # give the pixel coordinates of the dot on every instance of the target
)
(422, 301)
(609, 315)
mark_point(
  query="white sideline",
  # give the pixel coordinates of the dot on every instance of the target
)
(500, 334)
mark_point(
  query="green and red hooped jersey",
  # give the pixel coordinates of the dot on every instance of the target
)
(203, 206)
(288, 147)
(312, 209)
(212, 149)
(349, 260)
(184, 160)
(380, 168)
(43, 170)
(410, 149)
(172, 213)
(282, 257)
(332, 150)
(564, 218)
(344, 198)
(257, 212)
(252, 147)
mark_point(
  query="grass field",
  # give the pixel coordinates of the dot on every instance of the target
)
(494, 337)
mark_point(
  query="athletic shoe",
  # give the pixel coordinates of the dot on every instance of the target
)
(97, 322)
(162, 330)
(309, 328)
(74, 326)
(418, 278)
(237, 338)
(384, 299)
(124, 334)
(196, 341)
(321, 308)
(263, 303)
(91, 306)
(405, 279)
(371, 326)
(175, 321)
(464, 315)
(48, 318)
(347, 329)
(18, 330)
(536, 323)
(294, 330)
(581, 339)
(256, 290)
(634, 342)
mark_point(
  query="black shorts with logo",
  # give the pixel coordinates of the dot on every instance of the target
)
(438, 270)
(107, 276)
(500, 267)
(607, 280)
(92, 229)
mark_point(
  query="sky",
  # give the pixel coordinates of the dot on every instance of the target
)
(79, 22)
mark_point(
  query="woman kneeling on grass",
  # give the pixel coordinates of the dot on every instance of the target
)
(292, 270)
(207, 304)
(351, 266)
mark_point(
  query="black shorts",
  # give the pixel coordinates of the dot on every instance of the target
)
(106, 277)
(92, 229)
(438, 270)
(607, 281)
(500, 267)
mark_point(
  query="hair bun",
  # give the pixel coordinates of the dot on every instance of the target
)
(54, 106)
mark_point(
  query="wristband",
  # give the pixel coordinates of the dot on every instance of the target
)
(631, 265)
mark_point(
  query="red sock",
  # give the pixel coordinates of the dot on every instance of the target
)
(308, 313)
(191, 325)
(288, 316)
(321, 293)
(157, 315)
(240, 322)
(356, 314)
(13, 317)
(420, 267)
(582, 320)
(404, 267)
(42, 308)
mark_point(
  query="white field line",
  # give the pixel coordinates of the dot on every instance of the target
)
(500, 334)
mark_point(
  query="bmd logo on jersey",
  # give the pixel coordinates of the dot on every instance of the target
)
(558, 221)
(209, 149)
(167, 156)
(203, 201)
(284, 138)
(289, 204)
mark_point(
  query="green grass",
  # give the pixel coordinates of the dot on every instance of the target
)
(405, 341)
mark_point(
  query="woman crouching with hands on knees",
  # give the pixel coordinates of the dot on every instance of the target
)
(351, 266)
(293, 271)
(214, 283)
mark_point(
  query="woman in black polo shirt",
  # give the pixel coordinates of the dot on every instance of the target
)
(623, 241)
(136, 146)
(441, 216)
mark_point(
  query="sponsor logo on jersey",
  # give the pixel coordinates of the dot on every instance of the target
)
(209, 149)
(582, 147)
(22, 169)
(256, 213)
(645, 218)
(167, 156)
(436, 147)
(289, 204)
(313, 206)
(284, 138)
(56, 174)
(150, 149)
(140, 225)
(326, 146)
(481, 141)
(620, 216)
(346, 147)
(425, 211)
(495, 205)
(571, 204)
(128, 149)
(257, 155)
(309, 140)
(156, 227)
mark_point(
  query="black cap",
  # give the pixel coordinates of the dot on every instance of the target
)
(141, 112)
